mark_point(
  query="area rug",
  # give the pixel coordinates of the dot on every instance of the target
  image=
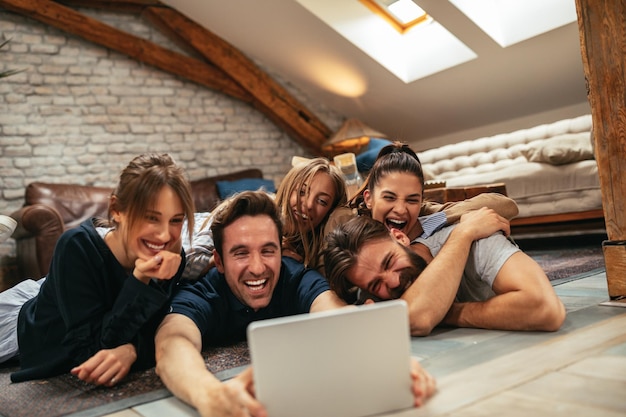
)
(562, 259)
(567, 257)
(66, 395)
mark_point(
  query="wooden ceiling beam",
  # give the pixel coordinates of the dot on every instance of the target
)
(270, 97)
(142, 50)
(227, 71)
(129, 6)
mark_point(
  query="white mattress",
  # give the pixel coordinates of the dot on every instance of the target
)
(558, 203)
(541, 189)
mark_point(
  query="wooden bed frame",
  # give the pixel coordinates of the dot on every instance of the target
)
(583, 222)
(577, 223)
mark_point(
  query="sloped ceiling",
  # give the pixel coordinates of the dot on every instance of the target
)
(538, 80)
(531, 80)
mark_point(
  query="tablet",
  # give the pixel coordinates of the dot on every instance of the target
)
(349, 362)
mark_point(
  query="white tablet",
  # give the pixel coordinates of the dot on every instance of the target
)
(350, 362)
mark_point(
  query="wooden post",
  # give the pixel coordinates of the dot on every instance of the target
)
(602, 27)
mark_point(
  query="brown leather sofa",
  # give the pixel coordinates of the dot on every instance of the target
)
(50, 209)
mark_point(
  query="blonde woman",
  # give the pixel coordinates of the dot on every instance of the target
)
(306, 197)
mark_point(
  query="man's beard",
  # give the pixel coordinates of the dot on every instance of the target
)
(409, 274)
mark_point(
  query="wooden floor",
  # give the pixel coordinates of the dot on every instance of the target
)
(578, 371)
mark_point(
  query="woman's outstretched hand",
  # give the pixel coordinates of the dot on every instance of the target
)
(108, 366)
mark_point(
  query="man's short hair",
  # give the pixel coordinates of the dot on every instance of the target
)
(342, 249)
(246, 203)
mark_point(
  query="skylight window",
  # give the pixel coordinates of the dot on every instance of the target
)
(406, 11)
(425, 49)
(402, 15)
(508, 22)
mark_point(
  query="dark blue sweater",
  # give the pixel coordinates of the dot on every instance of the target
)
(88, 302)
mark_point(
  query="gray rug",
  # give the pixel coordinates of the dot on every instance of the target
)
(566, 257)
(66, 395)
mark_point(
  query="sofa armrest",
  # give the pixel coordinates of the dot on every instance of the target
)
(38, 229)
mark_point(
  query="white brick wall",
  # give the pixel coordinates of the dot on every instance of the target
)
(80, 112)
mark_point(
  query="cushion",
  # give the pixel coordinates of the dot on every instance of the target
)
(559, 150)
(365, 159)
(228, 188)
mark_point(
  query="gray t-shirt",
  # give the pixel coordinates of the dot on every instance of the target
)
(485, 259)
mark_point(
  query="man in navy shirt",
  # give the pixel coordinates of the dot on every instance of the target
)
(251, 281)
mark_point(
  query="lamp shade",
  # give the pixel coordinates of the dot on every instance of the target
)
(352, 136)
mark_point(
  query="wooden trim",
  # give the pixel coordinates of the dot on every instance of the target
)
(562, 224)
(558, 218)
(446, 194)
(135, 6)
(402, 28)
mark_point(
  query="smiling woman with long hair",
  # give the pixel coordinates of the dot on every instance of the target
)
(110, 281)
(306, 197)
(405, 208)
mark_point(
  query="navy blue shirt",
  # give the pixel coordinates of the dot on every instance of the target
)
(88, 302)
(223, 319)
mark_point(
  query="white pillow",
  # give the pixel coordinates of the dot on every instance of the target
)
(559, 150)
